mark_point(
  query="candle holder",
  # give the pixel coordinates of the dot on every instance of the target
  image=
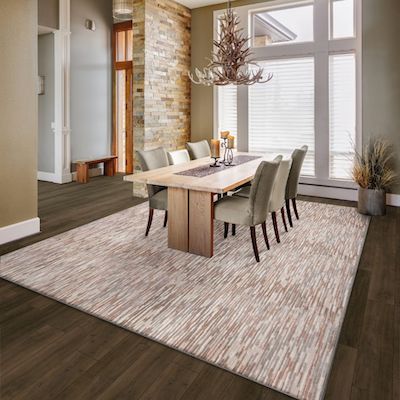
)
(224, 145)
(229, 158)
(215, 162)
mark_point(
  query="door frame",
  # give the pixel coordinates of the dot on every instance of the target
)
(61, 126)
(128, 67)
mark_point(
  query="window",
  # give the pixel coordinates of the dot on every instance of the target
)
(281, 114)
(122, 138)
(313, 97)
(342, 114)
(341, 18)
(283, 25)
(123, 45)
(227, 109)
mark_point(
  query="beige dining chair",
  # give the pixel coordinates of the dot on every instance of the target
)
(158, 195)
(178, 157)
(244, 191)
(298, 157)
(251, 211)
(277, 202)
(198, 149)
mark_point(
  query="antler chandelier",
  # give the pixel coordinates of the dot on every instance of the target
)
(231, 63)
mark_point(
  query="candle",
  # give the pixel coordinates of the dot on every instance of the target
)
(215, 145)
(231, 142)
(224, 134)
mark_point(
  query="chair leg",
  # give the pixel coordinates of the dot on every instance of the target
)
(226, 228)
(149, 221)
(289, 213)
(274, 221)
(233, 229)
(264, 229)
(295, 208)
(283, 218)
(254, 242)
(165, 218)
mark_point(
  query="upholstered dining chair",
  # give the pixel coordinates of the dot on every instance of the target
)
(244, 191)
(277, 202)
(250, 211)
(178, 157)
(298, 157)
(158, 195)
(198, 149)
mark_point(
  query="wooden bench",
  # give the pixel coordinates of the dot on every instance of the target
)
(82, 167)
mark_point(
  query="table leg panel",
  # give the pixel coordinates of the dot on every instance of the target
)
(178, 203)
(201, 223)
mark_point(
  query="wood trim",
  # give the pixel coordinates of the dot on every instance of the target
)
(122, 26)
(129, 123)
(178, 221)
(118, 65)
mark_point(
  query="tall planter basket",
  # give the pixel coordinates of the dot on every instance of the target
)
(371, 202)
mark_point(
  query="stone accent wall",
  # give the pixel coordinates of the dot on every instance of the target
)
(161, 87)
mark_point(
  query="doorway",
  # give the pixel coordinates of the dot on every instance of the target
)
(122, 96)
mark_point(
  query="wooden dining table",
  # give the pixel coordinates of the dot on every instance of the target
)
(192, 187)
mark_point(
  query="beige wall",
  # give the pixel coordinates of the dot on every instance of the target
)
(202, 96)
(18, 108)
(381, 71)
(48, 13)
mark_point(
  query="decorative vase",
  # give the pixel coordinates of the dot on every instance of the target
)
(371, 202)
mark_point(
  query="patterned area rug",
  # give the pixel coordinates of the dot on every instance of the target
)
(276, 322)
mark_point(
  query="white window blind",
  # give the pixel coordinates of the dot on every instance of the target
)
(281, 112)
(342, 114)
(227, 109)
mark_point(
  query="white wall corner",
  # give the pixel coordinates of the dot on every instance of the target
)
(19, 230)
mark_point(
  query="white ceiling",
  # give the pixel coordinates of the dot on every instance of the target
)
(198, 3)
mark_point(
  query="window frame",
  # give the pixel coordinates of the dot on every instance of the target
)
(321, 48)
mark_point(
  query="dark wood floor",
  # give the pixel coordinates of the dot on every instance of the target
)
(52, 351)
(63, 207)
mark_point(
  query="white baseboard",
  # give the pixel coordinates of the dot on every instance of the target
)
(341, 193)
(52, 177)
(19, 230)
(393, 199)
(92, 172)
(328, 192)
(46, 176)
(66, 178)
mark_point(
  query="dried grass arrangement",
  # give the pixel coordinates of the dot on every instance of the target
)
(371, 168)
